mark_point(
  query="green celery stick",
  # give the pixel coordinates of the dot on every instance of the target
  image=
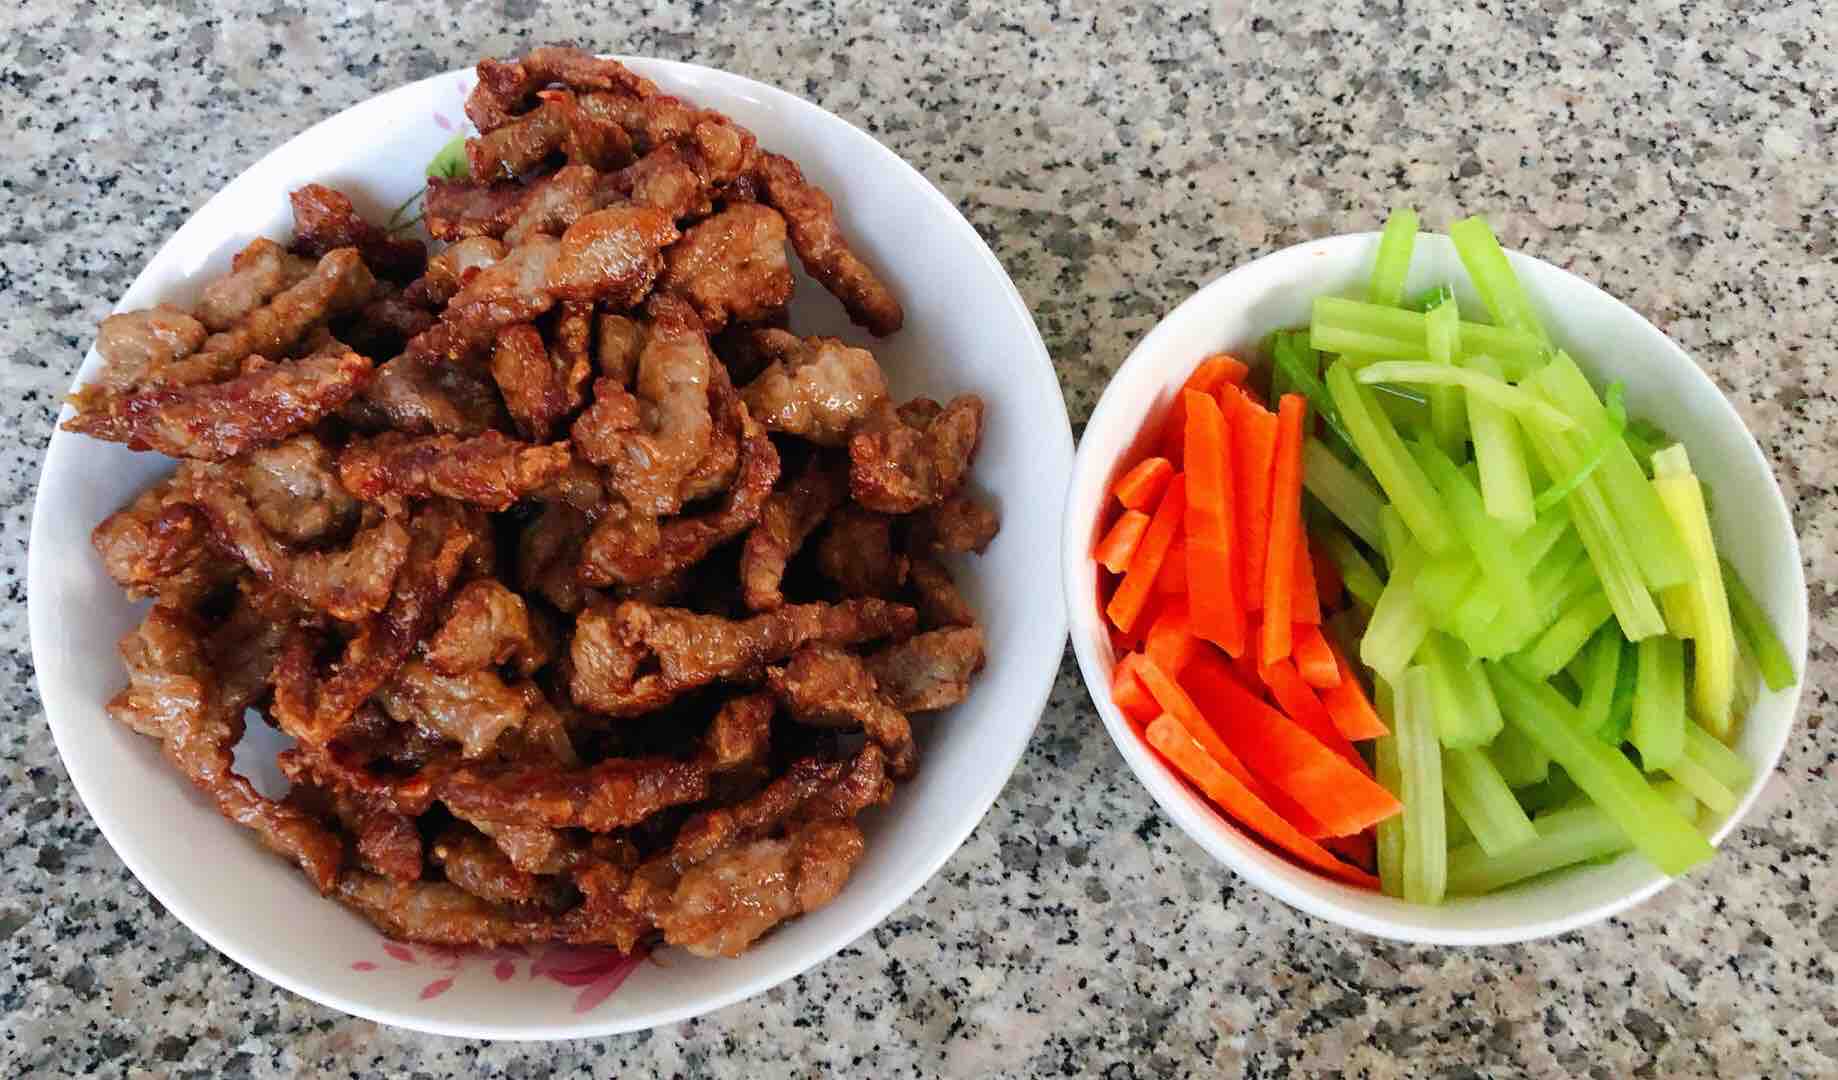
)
(1709, 752)
(1398, 623)
(1565, 838)
(1659, 702)
(1610, 550)
(1526, 406)
(1661, 549)
(1659, 831)
(1426, 841)
(1549, 530)
(1599, 668)
(1493, 277)
(1479, 608)
(1355, 572)
(1302, 364)
(1429, 298)
(1643, 438)
(1517, 354)
(1520, 760)
(1747, 689)
(1752, 621)
(1466, 713)
(1396, 535)
(1447, 582)
(1592, 458)
(1506, 486)
(1406, 407)
(1713, 649)
(1621, 706)
(1393, 263)
(1448, 414)
(1704, 787)
(1559, 643)
(1485, 538)
(1554, 791)
(1390, 776)
(1371, 331)
(1397, 472)
(1343, 490)
(1484, 802)
(1491, 632)
(1458, 830)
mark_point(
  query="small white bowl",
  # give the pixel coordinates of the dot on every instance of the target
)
(1611, 341)
(967, 329)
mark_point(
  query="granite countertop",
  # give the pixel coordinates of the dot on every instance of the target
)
(1116, 156)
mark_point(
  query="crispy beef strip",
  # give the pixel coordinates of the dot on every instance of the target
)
(135, 344)
(928, 671)
(218, 421)
(385, 325)
(422, 396)
(613, 794)
(554, 202)
(156, 548)
(541, 389)
(612, 644)
(473, 709)
(440, 913)
(294, 490)
(486, 470)
(731, 266)
(936, 595)
(722, 905)
(857, 552)
(826, 687)
(618, 343)
(486, 625)
(788, 518)
(810, 218)
(612, 256)
(514, 289)
(506, 86)
(459, 209)
(258, 273)
(815, 388)
(325, 220)
(473, 862)
(557, 124)
(385, 841)
(740, 735)
(692, 157)
(901, 460)
(549, 556)
(958, 525)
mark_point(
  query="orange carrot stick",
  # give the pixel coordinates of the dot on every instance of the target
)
(1298, 701)
(1231, 795)
(1170, 641)
(1213, 591)
(1304, 600)
(1215, 371)
(1133, 592)
(1128, 691)
(1119, 544)
(1314, 659)
(1360, 849)
(1144, 484)
(1172, 581)
(1253, 457)
(1285, 529)
(1281, 753)
(1347, 706)
(1328, 585)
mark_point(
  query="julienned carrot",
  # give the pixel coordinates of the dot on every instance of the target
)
(1213, 590)
(1347, 705)
(1305, 603)
(1245, 667)
(1133, 591)
(1231, 795)
(1314, 660)
(1282, 754)
(1143, 485)
(1297, 699)
(1285, 529)
(1360, 849)
(1170, 641)
(1119, 544)
(1253, 451)
(1215, 371)
(1128, 691)
(1172, 581)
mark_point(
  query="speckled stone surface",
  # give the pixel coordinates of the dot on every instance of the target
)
(1116, 156)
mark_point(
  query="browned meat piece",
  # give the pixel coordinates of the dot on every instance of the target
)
(549, 553)
(556, 125)
(615, 794)
(929, 671)
(740, 735)
(294, 490)
(810, 790)
(612, 255)
(936, 595)
(534, 849)
(731, 265)
(554, 202)
(738, 349)
(386, 842)
(257, 274)
(618, 342)
(958, 525)
(135, 344)
(857, 553)
(471, 861)
(325, 220)
(439, 912)
(626, 548)
(897, 467)
(218, 421)
(815, 388)
(811, 220)
(349, 583)
(457, 209)
(785, 522)
(339, 284)
(514, 289)
(385, 325)
(486, 470)
(692, 157)
(721, 906)
(652, 439)
(611, 644)
(487, 625)
(155, 548)
(472, 709)
(452, 269)
(421, 396)
(542, 388)
(506, 86)
(826, 687)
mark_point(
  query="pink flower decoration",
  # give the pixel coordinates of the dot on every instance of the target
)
(594, 970)
(364, 965)
(504, 969)
(437, 988)
(398, 952)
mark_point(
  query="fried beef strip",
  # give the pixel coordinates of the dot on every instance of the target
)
(258, 273)
(786, 521)
(486, 470)
(731, 266)
(936, 595)
(439, 912)
(613, 794)
(815, 388)
(473, 862)
(486, 625)
(325, 220)
(506, 86)
(810, 217)
(857, 552)
(135, 344)
(958, 525)
(557, 124)
(157, 548)
(928, 671)
(542, 388)
(549, 553)
(294, 490)
(904, 459)
(458, 209)
(423, 396)
(473, 709)
(826, 687)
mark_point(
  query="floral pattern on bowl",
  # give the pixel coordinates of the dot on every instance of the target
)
(595, 970)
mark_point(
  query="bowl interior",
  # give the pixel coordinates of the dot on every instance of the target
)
(1610, 341)
(966, 330)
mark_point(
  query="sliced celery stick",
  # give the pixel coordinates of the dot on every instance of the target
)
(1505, 484)
(1713, 652)
(1659, 702)
(1426, 842)
(1770, 654)
(1554, 791)
(1437, 655)
(1391, 777)
(1659, 831)
(1592, 457)
(1448, 412)
(1393, 263)
(1493, 276)
(1371, 331)
(1342, 490)
(1703, 786)
(1559, 643)
(1717, 759)
(1484, 802)
(1565, 838)
(1527, 407)
(1397, 537)
(1599, 668)
(1548, 531)
(1485, 538)
(1355, 572)
(1399, 623)
(1458, 830)
(1447, 582)
(1621, 706)
(1661, 549)
(1521, 761)
(1610, 551)
(1300, 366)
(1429, 298)
(1747, 689)
(1396, 471)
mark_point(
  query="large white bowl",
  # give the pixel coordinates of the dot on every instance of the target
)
(1611, 341)
(966, 330)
